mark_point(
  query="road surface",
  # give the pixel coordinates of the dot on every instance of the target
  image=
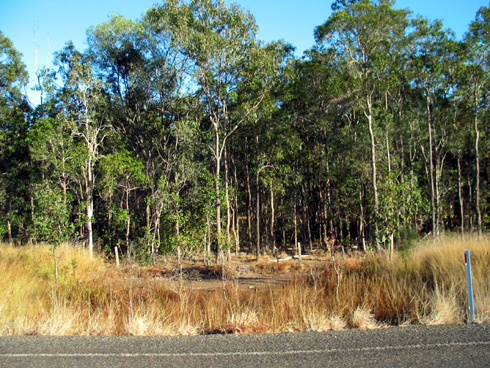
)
(415, 346)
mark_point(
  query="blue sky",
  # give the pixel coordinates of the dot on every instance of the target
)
(46, 25)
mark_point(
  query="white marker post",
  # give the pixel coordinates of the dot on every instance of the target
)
(467, 262)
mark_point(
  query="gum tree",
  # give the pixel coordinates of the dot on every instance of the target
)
(220, 41)
(86, 114)
(478, 44)
(362, 33)
(14, 154)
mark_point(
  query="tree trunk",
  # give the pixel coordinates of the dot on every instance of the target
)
(89, 188)
(128, 225)
(109, 220)
(64, 188)
(460, 196)
(295, 225)
(148, 228)
(388, 154)
(236, 217)
(361, 220)
(477, 174)
(330, 215)
(392, 246)
(369, 116)
(323, 227)
(9, 230)
(179, 251)
(273, 236)
(470, 201)
(249, 197)
(227, 197)
(435, 229)
(156, 237)
(219, 253)
(207, 241)
(257, 217)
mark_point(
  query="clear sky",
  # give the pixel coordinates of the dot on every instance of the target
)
(46, 25)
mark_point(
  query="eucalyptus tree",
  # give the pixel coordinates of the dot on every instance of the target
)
(433, 57)
(183, 207)
(266, 71)
(478, 46)
(144, 67)
(363, 32)
(56, 157)
(85, 110)
(220, 45)
(318, 104)
(13, 81)
(220, 41)
(118, 55)
(121, 174)
(14, 154)
(56, 163)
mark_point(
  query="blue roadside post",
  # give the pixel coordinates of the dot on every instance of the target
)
(469, 282)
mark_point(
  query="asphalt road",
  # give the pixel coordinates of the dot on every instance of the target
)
(438, 346)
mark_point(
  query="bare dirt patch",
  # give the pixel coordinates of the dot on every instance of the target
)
(243, 273)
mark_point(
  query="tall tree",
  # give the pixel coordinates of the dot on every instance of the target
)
(363, 33)
(220, 40)
(144, 69)
(433, 53)
(478, 43)
(87, 116)
(14, 153)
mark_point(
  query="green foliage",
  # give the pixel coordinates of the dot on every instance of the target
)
(14, 153)
(400, 203)
(409, 238)
(51, 216)
(177, 129)
(13, 76)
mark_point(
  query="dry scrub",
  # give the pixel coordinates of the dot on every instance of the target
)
(67, 293)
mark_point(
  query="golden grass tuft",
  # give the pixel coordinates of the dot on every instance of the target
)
(482, 303)
(321, 322)
(364, 319)
(444, 307)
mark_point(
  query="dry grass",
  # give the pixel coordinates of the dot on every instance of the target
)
(321, 322)
(272, 267)
(67, 293)
(364, 319)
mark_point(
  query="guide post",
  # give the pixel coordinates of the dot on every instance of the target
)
(467, 262)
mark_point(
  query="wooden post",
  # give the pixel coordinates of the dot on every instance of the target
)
(116, 252)
(179, 260)
(299, 253)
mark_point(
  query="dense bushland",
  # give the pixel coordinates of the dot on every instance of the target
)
(182, 133)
